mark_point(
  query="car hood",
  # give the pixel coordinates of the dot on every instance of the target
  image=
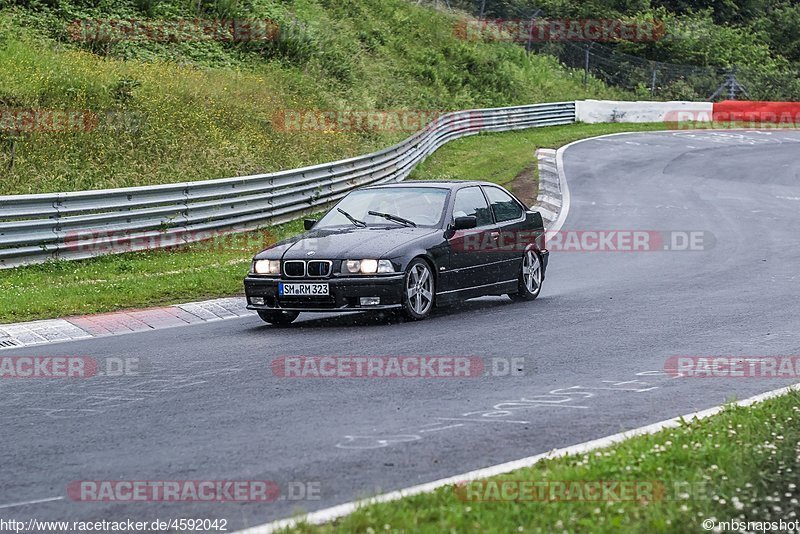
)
(345, 243)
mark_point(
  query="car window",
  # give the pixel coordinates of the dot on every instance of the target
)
(470, 202)
(504, 206)
(424, 206)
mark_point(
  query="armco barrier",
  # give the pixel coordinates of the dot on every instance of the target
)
(41, 227)
(594, 111)
(787, 113)
(683, 112)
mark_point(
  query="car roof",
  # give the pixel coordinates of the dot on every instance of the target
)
(441, 184)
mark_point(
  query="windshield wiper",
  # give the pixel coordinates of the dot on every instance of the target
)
(395, 218)
(352, 219)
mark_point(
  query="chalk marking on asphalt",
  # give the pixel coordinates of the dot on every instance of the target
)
(440, 428)
(619, 389)
(487, 420)
(25, 503)
(382, 441)
(335, 512)
(554, 399)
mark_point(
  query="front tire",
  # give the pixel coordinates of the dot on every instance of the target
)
(278, 317)
(530, 276)
(418, 290)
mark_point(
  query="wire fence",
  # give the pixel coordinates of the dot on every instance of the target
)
(645, 78)
(668, 81)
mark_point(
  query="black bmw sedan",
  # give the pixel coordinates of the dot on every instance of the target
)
(407, 246)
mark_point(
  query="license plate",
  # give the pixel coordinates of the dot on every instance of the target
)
(303, 290)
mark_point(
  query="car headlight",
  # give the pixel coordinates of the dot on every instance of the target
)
(385, 266)
(351, 266)
(267, 267)
(367, 266)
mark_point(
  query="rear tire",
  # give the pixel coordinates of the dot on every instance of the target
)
(419, 289)
(530, 276)
(278, 317)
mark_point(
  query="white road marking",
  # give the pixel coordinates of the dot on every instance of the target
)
(25, 503)
(565, 196)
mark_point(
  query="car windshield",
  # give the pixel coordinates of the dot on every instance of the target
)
(390, 206)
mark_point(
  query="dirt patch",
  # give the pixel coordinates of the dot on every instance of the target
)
(525, 185)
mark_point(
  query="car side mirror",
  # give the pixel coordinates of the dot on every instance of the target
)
(308, 224)
(536, 218)
(465, 223)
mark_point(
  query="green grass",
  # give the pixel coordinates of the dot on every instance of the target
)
(500, 157)
(136, 279)
(204, 110)
(743, 465)
(215, 269)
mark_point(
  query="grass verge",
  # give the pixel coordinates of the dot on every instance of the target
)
(500, 157)
(216, 268)
(740, 465)
(209, 269)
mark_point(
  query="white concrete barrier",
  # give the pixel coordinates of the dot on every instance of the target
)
(594, 111)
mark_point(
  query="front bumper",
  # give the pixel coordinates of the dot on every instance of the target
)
(345, 293)
(545, 260)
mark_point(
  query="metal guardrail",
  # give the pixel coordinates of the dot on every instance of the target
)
(75, 225)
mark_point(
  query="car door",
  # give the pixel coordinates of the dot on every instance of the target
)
(471, 253)
(510, 218)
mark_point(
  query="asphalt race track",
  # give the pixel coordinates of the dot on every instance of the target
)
(595, 345)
